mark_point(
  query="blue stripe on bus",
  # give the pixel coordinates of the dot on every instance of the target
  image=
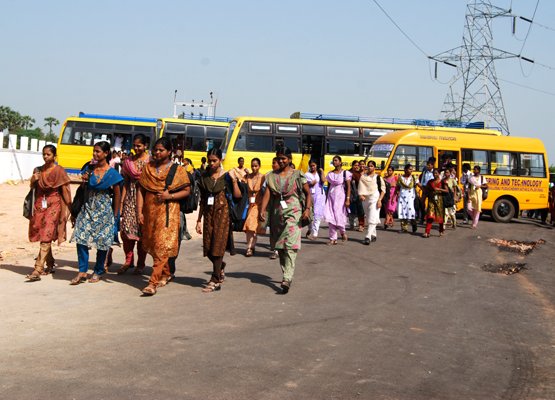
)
(117, 117)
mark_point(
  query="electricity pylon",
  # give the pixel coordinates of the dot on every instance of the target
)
(480, 99)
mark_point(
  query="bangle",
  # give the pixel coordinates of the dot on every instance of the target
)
(171, 196)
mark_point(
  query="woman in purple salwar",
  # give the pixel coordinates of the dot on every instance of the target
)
(337, 204)
(316, 183)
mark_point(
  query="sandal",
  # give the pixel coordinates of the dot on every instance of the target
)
(249, 253)
(95, 278)
(78, 279)
(332, 242)
(150, 290)
(285, 286)
(124, 269)
(274, 255)
(426, 235)
(344, 237)
(212, 287)
(34, 276)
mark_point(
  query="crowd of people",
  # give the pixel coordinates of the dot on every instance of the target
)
(146, 202)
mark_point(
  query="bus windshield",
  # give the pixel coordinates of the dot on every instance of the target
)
(379, 153)
(228, 135)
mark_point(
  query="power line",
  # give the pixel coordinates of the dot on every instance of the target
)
(400, 30)
(527, 87)
(530, 26)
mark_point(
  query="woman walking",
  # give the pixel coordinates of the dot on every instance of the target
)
(287, 190)
(130, 227)
(476, 185)
(356, 216)
(406, 193)
(435, 211)
(452, 197)
(50, 210)
(95, 226)
(338, 201)
(315, 181)
(390, 199)
(371, 190)
(214, 184)
(158, 210)
(255, 182)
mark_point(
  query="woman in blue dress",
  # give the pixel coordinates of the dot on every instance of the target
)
(95, 225)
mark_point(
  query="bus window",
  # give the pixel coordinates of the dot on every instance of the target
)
(424, 154)
(175, 128)
(532, 165)
(215, 136)
(124, 127)
(313, 129)
(343, 131)
(476, 157)
(343, 147)
(241, 142)
(290, 142)
(287, 129)
(260, 143)
(404, 155)
(502, 163)
(260, 127)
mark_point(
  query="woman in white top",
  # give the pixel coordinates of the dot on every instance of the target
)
(406, 189)
(316, 183)
(476, 184)
(371, 190)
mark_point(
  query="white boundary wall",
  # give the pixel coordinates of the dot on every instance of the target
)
(17, 164)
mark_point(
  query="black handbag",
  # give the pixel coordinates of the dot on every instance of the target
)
(302, 199)
(80, 198)
(29, 204)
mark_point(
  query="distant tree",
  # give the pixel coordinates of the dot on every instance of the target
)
(27, 122)
(552, 169)
(10, 119)
(50, 122)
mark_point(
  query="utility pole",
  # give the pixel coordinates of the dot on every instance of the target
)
(193, 105)
(480, 97)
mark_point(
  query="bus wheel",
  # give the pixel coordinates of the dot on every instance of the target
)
(503, 210)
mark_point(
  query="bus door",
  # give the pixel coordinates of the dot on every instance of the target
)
(445, 157)
(313, 142)
(314, 145)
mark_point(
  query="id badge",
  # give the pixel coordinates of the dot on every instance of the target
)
(210, 201)
(252, 199)
(283, 205)
(44, 203)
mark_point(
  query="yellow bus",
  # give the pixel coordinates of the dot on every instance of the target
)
(194, 137)
(79, 134)
(516, 168)
(313, 136)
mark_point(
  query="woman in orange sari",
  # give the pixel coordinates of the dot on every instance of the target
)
(252, 227)
(50, 211)
(158, 211)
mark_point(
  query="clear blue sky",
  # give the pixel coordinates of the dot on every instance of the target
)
(262, 57)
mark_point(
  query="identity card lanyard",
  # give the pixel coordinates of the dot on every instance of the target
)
(282, 186)
(210, 200)
(253, 197)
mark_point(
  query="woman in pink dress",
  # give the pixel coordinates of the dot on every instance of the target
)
(337, 204)
(390, 198)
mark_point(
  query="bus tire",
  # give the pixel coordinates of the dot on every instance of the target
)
(503, 210)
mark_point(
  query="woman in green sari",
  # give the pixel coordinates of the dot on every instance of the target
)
(287, 191)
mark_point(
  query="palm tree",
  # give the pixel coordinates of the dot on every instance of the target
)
(27, 122)
(50, 122)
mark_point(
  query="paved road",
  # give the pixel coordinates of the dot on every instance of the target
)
(405, 318)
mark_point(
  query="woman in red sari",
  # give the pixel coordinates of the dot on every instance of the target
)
(435, 211)
(50, 210)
